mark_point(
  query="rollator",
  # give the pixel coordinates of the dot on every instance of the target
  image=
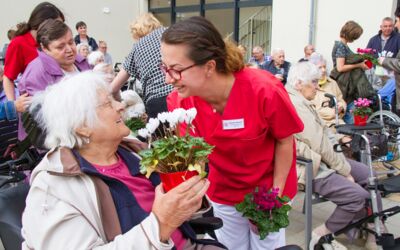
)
(384, 240)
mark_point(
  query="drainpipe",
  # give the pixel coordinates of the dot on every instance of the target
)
(312, 23)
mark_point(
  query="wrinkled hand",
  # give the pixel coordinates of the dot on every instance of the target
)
(22, 102)
(340, 109)
(178, 205)
(363, 66)
(350, 178)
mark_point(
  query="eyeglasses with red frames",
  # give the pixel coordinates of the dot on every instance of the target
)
(174, 73)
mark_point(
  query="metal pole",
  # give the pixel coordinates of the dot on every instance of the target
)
(236, 21)
(372, 189)
(312, 23)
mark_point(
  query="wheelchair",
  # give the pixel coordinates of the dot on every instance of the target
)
(13, 191)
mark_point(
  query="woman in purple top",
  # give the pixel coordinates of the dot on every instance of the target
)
(57, 58)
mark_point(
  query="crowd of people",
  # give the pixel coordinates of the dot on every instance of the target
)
(88, 185)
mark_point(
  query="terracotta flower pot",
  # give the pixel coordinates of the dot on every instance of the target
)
(360, 120)
(171, 180)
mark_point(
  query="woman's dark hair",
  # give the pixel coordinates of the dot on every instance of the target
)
(40, 13)
(50, 30)
(351, 31)
(205, 43)
(11, 34)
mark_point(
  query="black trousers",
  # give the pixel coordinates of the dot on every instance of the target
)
(156, 106)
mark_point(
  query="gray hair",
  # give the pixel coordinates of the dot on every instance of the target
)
(94, 56)
(302, 72)
(317, 59)
(276, 51)
(258, 49)
(68, 105)
(81, 45)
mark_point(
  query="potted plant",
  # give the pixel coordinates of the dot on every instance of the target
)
(361, 111)
(266, 211)
(176, 157)
(368, 56)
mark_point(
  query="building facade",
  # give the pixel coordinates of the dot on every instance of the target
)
(286, 24)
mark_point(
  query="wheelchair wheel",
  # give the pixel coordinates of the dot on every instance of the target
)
(392, 132)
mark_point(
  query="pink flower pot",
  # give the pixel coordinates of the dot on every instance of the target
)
(360, 120)
(171, 180)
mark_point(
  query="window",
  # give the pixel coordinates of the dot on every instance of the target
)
(222, 19)
(159, 4)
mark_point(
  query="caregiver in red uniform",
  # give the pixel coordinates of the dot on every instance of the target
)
(245, 113)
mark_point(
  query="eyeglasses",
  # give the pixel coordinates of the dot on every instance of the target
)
(173, 73)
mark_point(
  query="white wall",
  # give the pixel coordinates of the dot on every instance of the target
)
(290, 25)
(112, 27)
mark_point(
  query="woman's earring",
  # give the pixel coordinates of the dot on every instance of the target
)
(86, 140)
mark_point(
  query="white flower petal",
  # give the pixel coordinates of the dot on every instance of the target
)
(143, 132)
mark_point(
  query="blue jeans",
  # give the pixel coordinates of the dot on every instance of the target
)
(348, 117)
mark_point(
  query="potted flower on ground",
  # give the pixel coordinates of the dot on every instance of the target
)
(174, 156)
(361, 111)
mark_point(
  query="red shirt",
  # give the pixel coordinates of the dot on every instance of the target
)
(21, 51)
(258, 112)
(141, 188)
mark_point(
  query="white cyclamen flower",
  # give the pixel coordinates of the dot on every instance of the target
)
(143, 132)
(152, 125)
(190, 115)
(180, 114)
(172, 119)
(162, 117)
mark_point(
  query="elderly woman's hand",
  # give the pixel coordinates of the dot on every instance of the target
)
(22, 102)
(177, 206)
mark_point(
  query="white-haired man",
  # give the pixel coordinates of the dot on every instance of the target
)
(387, 39)
(278, 66)
(258, 57)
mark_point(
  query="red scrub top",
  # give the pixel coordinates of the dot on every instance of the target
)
(258, 112)
(21, 51)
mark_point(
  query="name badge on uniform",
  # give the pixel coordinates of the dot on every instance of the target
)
(233, 124)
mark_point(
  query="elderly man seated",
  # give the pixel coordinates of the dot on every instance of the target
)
(258, 57)
(340, 180)
(278, 66)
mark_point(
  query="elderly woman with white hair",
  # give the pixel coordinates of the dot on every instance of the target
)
(340, 180)
(88, 193)
(83, 49)
(95, 58)
(327, 85)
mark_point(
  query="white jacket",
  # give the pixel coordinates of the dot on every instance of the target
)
(67, 209)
